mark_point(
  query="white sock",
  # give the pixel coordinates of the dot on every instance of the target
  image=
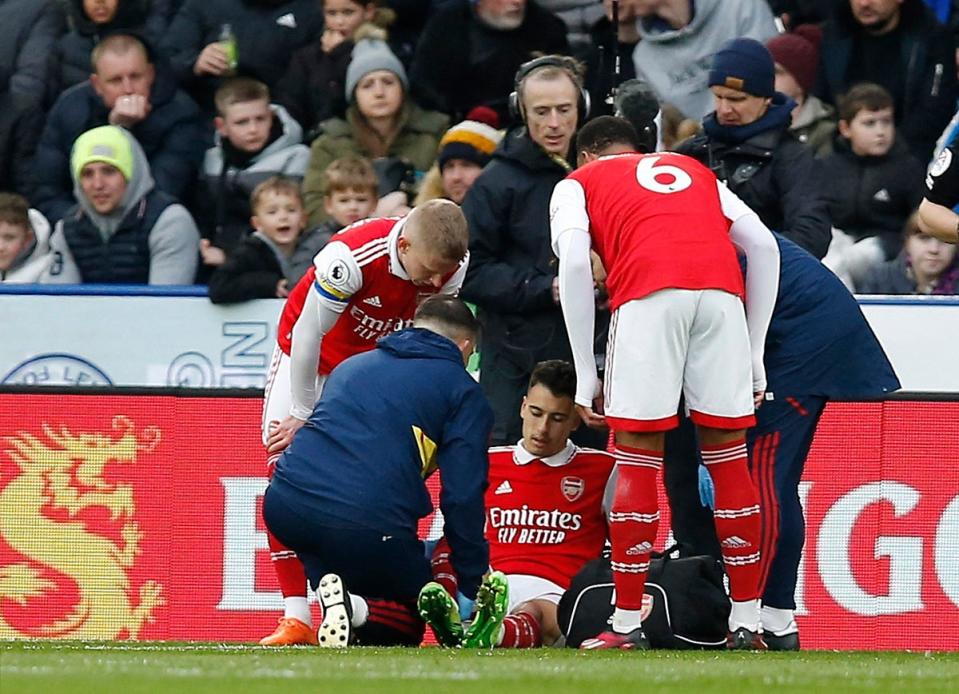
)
(745, 614)
(624, 621)
(500, 635)
(361, 611)
(298, 608)
(778, 621)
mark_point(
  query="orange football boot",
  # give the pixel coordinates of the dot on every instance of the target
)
(290, 632)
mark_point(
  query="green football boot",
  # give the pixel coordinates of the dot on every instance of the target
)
(492, 603)
(438, 609)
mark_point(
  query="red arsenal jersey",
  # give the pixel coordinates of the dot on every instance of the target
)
(545, 517)
(358, 274)
(657, 222)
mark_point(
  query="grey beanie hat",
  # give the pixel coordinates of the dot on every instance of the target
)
(370, 55)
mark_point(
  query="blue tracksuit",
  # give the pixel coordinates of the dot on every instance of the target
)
(819, 348)
(348, 492)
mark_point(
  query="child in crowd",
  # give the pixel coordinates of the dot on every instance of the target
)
(261, 266)
(926, 265)
(254, 141)
(312, 88)
(874, 185)
(349, 186)
(24, 240)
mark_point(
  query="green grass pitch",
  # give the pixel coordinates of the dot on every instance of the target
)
(130, 668)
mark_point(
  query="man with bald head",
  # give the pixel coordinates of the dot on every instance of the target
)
(128, 89)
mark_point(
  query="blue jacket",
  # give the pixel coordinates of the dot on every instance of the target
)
(819, 343)
(357, 462)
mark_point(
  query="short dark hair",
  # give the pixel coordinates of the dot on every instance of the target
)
(449, 316)
(557, 376)
(865, 96)
(604, 131)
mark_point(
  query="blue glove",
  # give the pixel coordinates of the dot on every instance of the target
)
(428, 547)
(465, 604)
(707, 492)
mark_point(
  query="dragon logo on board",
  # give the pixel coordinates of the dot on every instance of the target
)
(62, 476)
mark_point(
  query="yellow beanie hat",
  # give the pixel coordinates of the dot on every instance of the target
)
(107, 144)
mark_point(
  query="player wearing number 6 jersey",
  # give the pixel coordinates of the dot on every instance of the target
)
(665, 229)
(364, 284)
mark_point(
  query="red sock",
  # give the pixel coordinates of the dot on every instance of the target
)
(442, 567)
(391, 624)
(289, 571)
(633, 522)
(737, 517)
(521, 630)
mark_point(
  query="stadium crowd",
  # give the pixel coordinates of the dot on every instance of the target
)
(239, 144)
(221, 95)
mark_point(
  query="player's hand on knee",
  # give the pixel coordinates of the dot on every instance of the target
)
(282, 434)
(758, 398)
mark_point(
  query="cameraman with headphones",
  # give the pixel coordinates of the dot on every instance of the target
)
(512, 275)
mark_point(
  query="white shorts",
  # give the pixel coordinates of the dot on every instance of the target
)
(676, 341)
(523, 588)
(277, 396)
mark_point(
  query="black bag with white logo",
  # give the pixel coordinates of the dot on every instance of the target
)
(685, 598)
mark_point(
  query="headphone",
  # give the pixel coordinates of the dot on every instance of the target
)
(564, 63)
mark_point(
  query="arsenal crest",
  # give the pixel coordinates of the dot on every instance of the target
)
(572, 488)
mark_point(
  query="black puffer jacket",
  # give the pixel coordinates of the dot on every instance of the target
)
(28, 36)
(146, 18)
(253, 269)
(773, 173)
(20, 128)
(873, 196)
(314, 87)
